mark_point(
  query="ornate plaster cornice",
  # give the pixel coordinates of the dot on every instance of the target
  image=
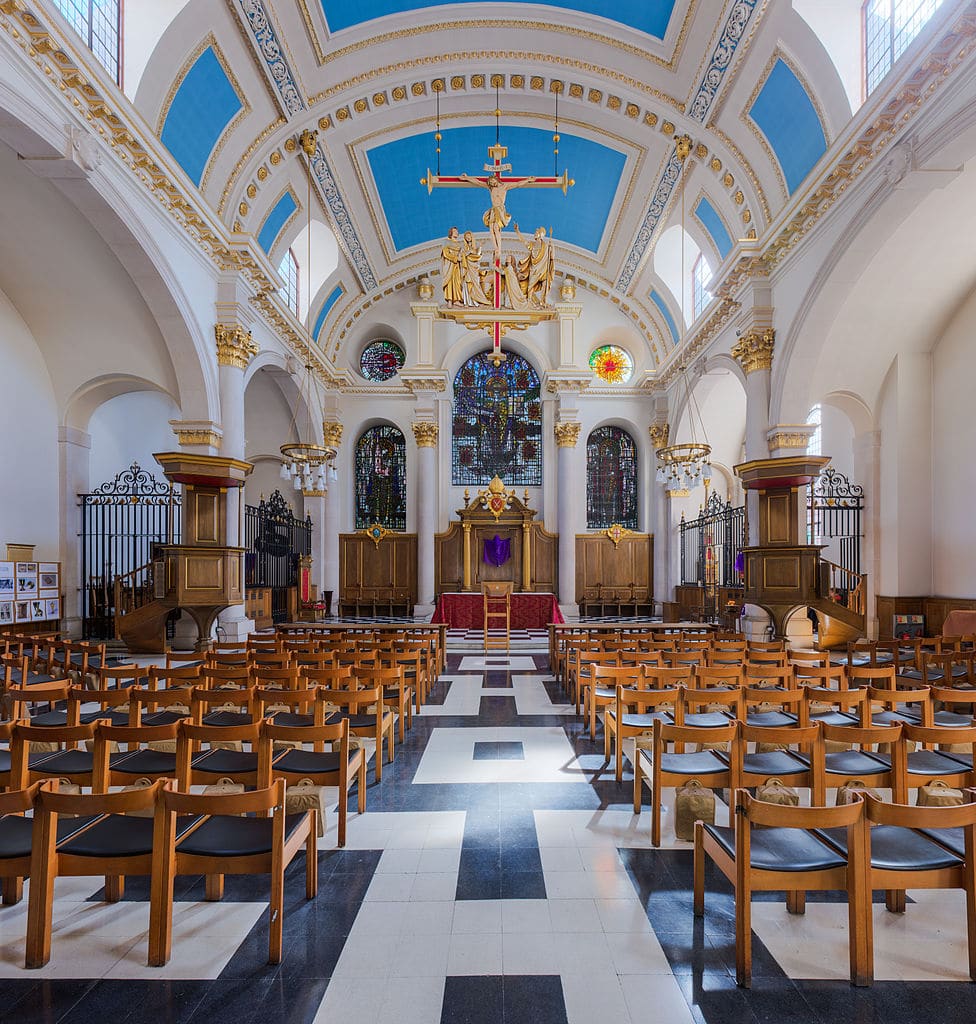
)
(754, 351)
(235, 346)
(429, 383)
(190, 433)
(570, 383)
(790, 435)
(567, 433)
(426, 433)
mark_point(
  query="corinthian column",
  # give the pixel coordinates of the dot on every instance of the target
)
(235, 349)
(331, 438)
(754, 353)
(567, 435)
(425, 433)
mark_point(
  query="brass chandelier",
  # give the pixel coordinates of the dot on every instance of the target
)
(309, 465)
(684, 466)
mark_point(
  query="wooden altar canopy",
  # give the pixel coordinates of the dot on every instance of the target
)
(525, 554)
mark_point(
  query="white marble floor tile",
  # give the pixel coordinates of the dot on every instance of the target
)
(463, 697)
(427, 917)
(351, 998)
(531, 698)
(434, 887)
(416, 959)
(412, 1001)
(475, 953)
(521, 916)
(529, 953)
(576, 915)
(595, 996)
(477, 917)
(560, 858)
(659, 991)
(637, 953)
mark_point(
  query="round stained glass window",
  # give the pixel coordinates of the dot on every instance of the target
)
(381, 360)
(612, 364)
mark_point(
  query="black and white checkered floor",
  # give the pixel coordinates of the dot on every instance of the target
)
(498, 875)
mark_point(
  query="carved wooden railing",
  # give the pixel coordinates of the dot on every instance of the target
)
(846, 587)
(133, 590)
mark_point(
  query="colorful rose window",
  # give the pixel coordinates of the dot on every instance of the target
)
(381, 360)
(612, 364)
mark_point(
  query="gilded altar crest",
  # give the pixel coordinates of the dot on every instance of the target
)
(495, 498)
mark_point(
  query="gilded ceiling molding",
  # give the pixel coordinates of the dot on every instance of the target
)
(495, 24)
(332, 433)
(754, 351)
(721, 313)
(567, 433)
(235, 346)
(276, 63)
(425, 433)
(242, 163)
(719, 63)
(745, 165)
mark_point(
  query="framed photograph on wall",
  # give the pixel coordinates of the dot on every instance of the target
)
(48, 581)
(22, 611)
(52, 608)
(27, 568)
(6, 586)
(38, 612)
(26, 586)
(6, 612)
(54, 567)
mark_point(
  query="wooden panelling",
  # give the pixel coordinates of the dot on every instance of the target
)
(449, 561)
(778, 517)
(935, 610)
(377, 577)
(609, 575)
(545, 560)
(449, 558)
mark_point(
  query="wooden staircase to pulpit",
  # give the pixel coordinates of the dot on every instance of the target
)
(202, 575)
(783, 575)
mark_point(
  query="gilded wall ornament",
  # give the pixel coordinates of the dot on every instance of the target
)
(660, 432)
(425, 433)
(235, 346)
(754, 351)
(332, 433)
(567, 434)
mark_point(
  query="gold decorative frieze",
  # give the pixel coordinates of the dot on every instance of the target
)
(415, 384)
(235, 346)
(567, 434)
(790, 435)
(660, 433)
(194, 433)
(425, 433)
(332, 433)
(754, 351)
(313, 493)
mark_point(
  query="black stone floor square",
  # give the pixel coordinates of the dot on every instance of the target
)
(505, 750)
(512, 999)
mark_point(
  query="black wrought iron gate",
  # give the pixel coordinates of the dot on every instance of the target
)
(121, 521)
(275, 540)
(710, 544)
(834, 507)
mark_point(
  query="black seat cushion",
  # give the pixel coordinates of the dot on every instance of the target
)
(705, 762)
(293, 720)
(226, 719)
(773, 849)
(146, 762)
(928, 762)
(4, 759)
(60, 718)
(307, 762)
(952, 838)
(66, 762)
(853, 762)
(770, 719)
(898, 849)
(15, 833)
(115, 835)
(646, 720)
(707, 719)
(163, 717)
(775, 762)
(227, 762)
(223, 835)
(835, 717)
(361, 721)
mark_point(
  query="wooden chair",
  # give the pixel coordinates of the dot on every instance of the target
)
(632, 715)
(222, 842)
(139, 760)
(206, 754)
(674, 768)
(772, 848)
(901, 853)
(581, 671)
(114, 842)
(801, 767)
(497, 603)
(343, 767)
(275, 678)
(226, 677)
(68, 762)
(354, 706)
(397, 695)
(601, 692)
(163, 678)
(15, 841)
(858, 760)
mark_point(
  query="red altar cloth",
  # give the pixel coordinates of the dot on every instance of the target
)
(466, 611)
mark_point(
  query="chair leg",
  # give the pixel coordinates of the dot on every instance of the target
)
(378, 767)
(40, 898)
(895, 900)
(861, 926)
(277, 910)
(699, 904)
(796, 901)
(591, 697)
(743, 935)
(13, 890)
(214, 887)
(638, 784)
(403, 723)
(971, 918)
(389, 744)
(655, 808)
(312, 858)
(342, 811)
(618, 742)
(114, 888)
(361, 784)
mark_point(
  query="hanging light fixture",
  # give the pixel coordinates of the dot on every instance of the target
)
(684, 466)
(308, 465)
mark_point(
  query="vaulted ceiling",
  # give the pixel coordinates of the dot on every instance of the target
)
(228, 88)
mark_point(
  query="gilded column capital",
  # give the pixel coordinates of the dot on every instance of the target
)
(426, 433)
(332, 433)
(235, 346)
(754, 351)
(660, 432)
(567, 434)
(196, 433)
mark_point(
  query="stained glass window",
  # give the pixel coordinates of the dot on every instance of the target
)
(497, 423)
(381, 478)
(611, 479)
(612, 364)
(381, 360)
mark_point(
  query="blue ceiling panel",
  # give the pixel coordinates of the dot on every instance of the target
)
(414, 217)
(658, 299)
(787, 117)
(275, 221)
(204, 104)
(714, 225)
(649, 16)
(331, 299)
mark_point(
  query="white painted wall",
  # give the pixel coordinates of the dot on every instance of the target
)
(131, 428)
(29, 428)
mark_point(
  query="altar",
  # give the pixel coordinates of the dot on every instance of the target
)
(466, 611)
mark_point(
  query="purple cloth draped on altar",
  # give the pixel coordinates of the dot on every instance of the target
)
(497, 551)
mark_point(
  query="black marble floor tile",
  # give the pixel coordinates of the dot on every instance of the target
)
(498, 751)
(48, 1001)
(534, 999)
(474, 1000)
(497, 678)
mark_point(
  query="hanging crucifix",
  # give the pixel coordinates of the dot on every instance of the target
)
(499, 181)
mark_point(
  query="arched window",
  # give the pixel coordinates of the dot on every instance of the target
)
(814, 420)
(889, 28)
(288, 269)
(381, 361)
(611, 479)
(99, 23)
(701, 275)
(497, 424)
(381, 478)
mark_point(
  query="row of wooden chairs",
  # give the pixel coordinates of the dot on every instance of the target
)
(771, 847)
(154, 830)
(818, 756)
